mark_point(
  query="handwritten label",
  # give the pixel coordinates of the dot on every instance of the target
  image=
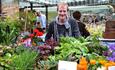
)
(67, 65)
(111, 68)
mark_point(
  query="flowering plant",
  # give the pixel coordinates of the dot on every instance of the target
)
(111, 55)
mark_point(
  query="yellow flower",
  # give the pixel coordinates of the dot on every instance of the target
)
(92, 62)
(102, 62)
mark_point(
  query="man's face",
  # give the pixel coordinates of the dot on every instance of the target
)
(62, 12)
(37, 14)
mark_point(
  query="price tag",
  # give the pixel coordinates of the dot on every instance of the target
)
(67, 65)
(111, 68)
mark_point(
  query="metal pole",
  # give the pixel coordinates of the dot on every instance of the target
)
(0, 7)
(46, 13)
(31, 5)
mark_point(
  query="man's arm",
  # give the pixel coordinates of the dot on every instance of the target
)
(75, 29)
(44, 21)
(85, 31)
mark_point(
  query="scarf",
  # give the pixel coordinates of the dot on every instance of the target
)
(67, 26)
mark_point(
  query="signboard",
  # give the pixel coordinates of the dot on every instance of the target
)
(67, 65)
(111, 68)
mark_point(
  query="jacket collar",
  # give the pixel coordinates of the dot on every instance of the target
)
(66, 23)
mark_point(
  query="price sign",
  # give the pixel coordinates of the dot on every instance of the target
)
(111, 68)
(67, 65)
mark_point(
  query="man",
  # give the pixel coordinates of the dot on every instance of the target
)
(83, 30)
(63, 25)
(42, 18)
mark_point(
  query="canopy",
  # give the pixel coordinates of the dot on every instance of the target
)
(85, 9)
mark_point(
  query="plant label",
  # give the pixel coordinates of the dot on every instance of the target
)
(67, 65)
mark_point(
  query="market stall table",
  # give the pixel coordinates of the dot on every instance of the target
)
(107, 42)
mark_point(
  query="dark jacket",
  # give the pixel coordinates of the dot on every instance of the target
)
(83, 31)
(61, 28)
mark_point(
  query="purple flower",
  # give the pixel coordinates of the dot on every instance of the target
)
(111, 58)
(105, 53)
(112, 47)
(113, 54)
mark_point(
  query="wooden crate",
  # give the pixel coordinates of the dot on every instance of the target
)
(109, 30)
(109, 35)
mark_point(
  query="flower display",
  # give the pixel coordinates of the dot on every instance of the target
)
(93, 62)
(112, 47)
(111, 55)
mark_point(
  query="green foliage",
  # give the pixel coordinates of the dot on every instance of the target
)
(10, 22)
(95, 45)
(94, 67)
(8, 34)
(47, 65)
(6, 55)
(70, 48)
(27, 18)
(7, 38)
(20, 49)
(20, 58)
(24, 60)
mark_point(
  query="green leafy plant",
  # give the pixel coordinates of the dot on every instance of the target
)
(7, 38)
(24, 60)
(95, 45)
(47, 65)
(70, 49)
(6, 53)
(9, 29)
